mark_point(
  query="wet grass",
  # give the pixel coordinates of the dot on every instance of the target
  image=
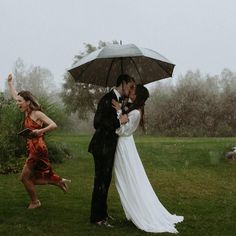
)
(189, 175)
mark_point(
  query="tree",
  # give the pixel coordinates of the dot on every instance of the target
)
(82, 98)
(38, 80)
(227, 101)
(196, 106)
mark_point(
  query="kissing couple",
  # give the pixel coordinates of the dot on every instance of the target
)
(113, 145)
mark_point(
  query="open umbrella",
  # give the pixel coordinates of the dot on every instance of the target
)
(102, 67)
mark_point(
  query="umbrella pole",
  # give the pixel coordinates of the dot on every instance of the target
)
(121, 65)
(122, 72)
(122, 69)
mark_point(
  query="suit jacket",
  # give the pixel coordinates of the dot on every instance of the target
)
(104, 140)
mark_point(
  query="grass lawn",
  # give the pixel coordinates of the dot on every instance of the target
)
(189, 175)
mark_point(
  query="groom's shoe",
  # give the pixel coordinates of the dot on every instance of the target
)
(104, 223)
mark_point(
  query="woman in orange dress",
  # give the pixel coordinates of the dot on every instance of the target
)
(37, 169)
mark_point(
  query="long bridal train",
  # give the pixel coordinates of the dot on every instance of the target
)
(139, 201)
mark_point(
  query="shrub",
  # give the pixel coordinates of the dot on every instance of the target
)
(57, 153)
(12, 147)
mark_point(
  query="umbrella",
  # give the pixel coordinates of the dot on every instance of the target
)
(102, 67)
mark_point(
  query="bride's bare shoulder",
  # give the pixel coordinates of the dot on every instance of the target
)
(135, 112)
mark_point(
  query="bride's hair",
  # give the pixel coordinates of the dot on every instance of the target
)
(142, 95)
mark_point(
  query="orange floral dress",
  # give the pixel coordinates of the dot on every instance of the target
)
(37, 160)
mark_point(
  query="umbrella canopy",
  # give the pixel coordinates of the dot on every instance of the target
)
(102, 67)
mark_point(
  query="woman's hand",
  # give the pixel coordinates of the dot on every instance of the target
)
(124, 119)
(116, 104)
(10, 78)
(11, 86)
(36, 132)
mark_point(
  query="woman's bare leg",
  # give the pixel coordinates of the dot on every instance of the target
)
(53, 180)
(29, 186)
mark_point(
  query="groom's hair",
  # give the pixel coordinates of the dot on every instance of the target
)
(124, 78)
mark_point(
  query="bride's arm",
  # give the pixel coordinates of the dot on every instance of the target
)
(130, 127)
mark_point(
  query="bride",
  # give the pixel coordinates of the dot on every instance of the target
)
(139, 201)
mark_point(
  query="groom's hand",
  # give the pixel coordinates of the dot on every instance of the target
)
(123, 119)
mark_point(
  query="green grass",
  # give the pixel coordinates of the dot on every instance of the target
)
(189, 175)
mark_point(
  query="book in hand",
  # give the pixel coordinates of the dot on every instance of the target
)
(26, 133)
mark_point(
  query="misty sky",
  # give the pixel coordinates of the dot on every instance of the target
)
(193, 34)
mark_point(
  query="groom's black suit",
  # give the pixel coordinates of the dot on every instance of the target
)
(103, 147)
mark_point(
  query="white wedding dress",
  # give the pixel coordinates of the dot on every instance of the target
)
(139, 201)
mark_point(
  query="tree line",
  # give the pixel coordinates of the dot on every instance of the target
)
(195, 105)
(192, 105)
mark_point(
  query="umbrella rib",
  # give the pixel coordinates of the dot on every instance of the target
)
(156, 61)
(136, 69)
(87, 66)
(108, 74)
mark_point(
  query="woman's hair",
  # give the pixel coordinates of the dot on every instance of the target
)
(28, 96)
(142, 95)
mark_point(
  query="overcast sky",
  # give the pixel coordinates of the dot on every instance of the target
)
(193, 34)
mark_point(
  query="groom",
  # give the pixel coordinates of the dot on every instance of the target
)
(103, 147)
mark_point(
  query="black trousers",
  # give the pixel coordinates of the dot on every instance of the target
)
(102, 179)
